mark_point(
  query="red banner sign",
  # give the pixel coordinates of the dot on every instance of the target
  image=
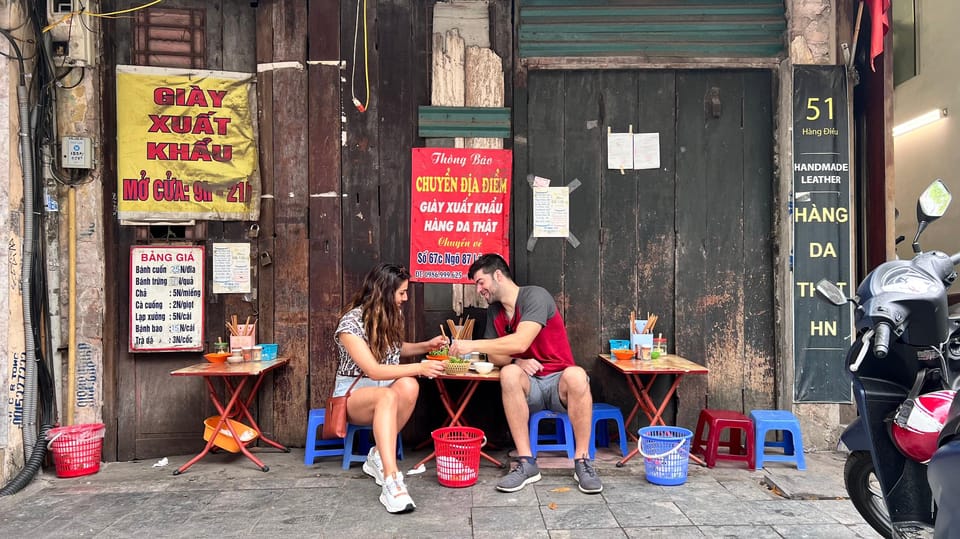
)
(460, 201)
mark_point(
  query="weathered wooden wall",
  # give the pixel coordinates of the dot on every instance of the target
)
(281, 37)
(690, 241)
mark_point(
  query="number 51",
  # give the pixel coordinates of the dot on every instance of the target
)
(813, 109)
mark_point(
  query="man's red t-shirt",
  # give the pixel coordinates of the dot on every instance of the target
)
(551, 347)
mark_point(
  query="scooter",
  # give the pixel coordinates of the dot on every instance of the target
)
(942, 475)
(905, 367)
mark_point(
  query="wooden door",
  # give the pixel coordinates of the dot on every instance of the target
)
(691, 241)
(149, 413)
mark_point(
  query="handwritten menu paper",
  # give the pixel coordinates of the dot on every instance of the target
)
(551, 212)
(231, 268)
(166, 298)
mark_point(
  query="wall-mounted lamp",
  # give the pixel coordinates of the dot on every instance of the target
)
(920, 121)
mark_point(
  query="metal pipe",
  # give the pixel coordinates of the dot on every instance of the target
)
(26, 273)
(72, 303)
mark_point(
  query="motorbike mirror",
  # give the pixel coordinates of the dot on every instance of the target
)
(934, 201)
(931, 205)
(831, 291)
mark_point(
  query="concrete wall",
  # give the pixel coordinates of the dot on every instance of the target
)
(78, 115)
(932, 151)
(11, 216)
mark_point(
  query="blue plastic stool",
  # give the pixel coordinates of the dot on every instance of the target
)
(599, 435)
(362, 434)
(561, 441)
(319, 447)
(338, 447)
(792, 444)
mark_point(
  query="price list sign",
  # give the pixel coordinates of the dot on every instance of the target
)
(166, 298)
(821, 231)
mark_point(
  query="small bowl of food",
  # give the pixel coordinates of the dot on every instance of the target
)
(217, 357)
(440, 354)
(483, 367)
(623, 354)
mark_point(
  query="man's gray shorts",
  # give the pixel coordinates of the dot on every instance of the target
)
(545, 394)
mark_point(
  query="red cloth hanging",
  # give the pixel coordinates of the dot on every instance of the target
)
(879, 25)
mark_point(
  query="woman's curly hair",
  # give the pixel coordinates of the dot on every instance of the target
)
(382, 318)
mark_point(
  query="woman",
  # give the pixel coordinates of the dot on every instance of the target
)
(370, 343)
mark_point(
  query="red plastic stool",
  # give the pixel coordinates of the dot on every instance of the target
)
(716, 421)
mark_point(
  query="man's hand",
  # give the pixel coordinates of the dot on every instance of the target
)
(530, 366)
(462, 347)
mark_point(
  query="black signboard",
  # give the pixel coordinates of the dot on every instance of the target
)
(821, 231)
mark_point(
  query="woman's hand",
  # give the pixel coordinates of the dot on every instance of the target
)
(431, 369)
(437, 342)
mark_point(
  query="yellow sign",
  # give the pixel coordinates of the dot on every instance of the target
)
(186, 145)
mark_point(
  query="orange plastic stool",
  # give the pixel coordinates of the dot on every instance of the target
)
(741, 428)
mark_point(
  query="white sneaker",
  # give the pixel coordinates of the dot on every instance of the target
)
(394, 495)
(373, 466)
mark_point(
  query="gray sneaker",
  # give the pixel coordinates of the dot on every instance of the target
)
(523, 474)
(586, 476)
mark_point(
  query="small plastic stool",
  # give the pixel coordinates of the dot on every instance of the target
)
(319, 447)
(339, 447)
(716, 421)
(792, 444)
(599, 435)
(363, 447)
(561, 441)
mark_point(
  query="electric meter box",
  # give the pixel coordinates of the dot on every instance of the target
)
(72, 32)
(76, 152)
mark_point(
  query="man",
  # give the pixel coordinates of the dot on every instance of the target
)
(526, 337)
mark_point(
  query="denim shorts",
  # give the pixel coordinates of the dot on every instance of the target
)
(545, 393)
(343, 384)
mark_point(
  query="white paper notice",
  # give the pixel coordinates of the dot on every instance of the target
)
(619, 150)
(646, 150)
(541, 182)
(551, 212)
(231, 268)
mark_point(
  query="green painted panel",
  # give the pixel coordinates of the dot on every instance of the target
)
(691, 28)
(483, 122)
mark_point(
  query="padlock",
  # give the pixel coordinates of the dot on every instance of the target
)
(265, 259)
(254, 231)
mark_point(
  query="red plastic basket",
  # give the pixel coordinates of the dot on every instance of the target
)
(458, 455)
(76, 449)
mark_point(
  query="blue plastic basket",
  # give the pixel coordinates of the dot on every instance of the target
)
(666, 454)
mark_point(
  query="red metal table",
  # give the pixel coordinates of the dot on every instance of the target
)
(456, 407)
(235, 377)
(636, 370)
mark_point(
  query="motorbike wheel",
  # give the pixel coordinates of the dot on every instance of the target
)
(865, 492)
